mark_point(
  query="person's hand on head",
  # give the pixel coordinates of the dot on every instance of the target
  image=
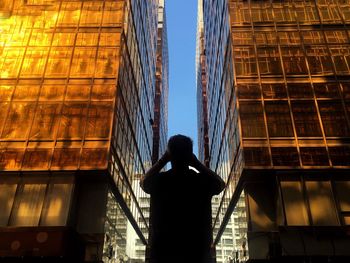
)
(194, 161)
(165, 157)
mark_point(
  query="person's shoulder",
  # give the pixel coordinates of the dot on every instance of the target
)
(193, 172)
(164, 174)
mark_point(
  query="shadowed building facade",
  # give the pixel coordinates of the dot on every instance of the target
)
(77, 104)
(277, 91)
(224, 246)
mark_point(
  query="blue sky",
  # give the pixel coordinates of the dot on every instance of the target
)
(182, 23)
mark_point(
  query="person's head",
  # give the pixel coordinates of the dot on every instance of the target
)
(180, 148)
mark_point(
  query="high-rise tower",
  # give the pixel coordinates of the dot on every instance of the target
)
(224, 246)
(277, 87)
(77, 103)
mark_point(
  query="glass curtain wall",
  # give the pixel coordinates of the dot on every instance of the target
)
(77, 89)
(277, 74)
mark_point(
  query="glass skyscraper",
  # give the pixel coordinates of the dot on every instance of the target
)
(78, 83)
(278, 108)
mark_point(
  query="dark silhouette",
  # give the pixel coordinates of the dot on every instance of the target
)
(181, 205)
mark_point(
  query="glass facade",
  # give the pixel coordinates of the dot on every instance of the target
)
(202, 102)
(277, 77)
(160, 125)
(78, 84)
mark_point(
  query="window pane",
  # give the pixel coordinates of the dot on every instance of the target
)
(300, 90)
(5, 92)
(346, 89)
(30, 204)
(18, 120)
(245, 63)
(274, 91)
(242, 38)
(65, 39)
(289, 38)
(343, 190)
(99, 120)
(46, 121)
(78, 92)
(7, 195)
(306, 119)
(294, 204)
(34, 62)
(283, 12)
(113, 13)
(37, 159)
(333, 118)
(65, 158)
(305, 12)
(323, 210)
(107, 63)
(314, 156)
(269, 61)
(91, 14)
(341, 57)
(52, 92)
(69, 14)
(83, 63)
(58, 63)
(3, 112)
(340, 155)
(285, 156)
(319, 60)
(294, 61)
(248, 91)
(336, 36)
(252, 119)
(256, 156)
(278, 119)
(326, 90)
(10, 62)
(94, 158)
(103, 92)
(57, 205)
(26, 92)
(313, 37)
(11, 159)
(73, 121)
(260, 209)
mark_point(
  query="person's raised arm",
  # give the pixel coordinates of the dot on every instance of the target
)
(217, 183)
(146, 181)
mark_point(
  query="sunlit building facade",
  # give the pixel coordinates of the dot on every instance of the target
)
(277, 88)
(77, 91)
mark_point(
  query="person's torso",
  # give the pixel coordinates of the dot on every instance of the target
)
(181, 212)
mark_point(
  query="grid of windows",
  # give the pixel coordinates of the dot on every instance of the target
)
(59, 61)
(35, 201)
(277, 86)
(77, 89)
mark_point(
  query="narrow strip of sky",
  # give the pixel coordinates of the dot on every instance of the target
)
(182, 23)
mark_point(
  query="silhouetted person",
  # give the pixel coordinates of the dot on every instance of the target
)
(181, 205)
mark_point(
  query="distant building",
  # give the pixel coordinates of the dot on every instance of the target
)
(78, 84)
(277, 93)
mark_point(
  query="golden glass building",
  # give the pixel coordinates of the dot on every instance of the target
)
(277, 91)
(77, 90)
